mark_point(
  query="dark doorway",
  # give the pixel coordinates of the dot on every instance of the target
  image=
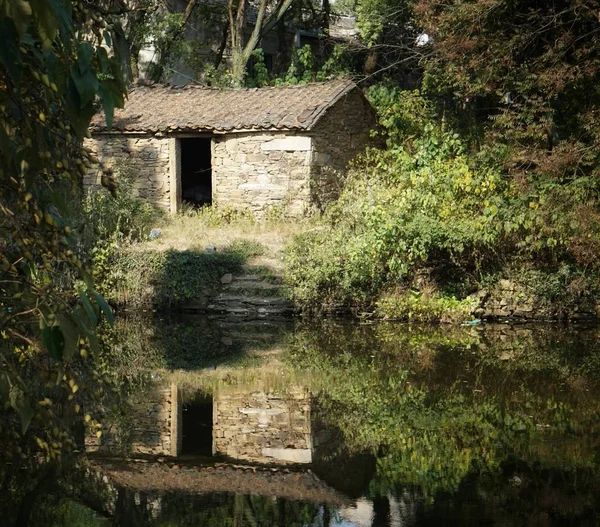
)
(196, 171)
(197, 427)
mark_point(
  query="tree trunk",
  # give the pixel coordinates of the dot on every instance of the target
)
(240, 52)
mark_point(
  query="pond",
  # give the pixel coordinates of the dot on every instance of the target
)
(331, 423)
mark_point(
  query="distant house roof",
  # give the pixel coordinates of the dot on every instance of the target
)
(160, 108)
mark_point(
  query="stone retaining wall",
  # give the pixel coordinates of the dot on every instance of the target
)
(509, 299)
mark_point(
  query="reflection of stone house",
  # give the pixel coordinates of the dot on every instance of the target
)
(263, 428)
(281, 146)
(247, 425)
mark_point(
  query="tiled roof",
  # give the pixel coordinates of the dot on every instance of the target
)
(162, 108)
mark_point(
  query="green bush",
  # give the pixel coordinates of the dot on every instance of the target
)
(415, 306)
(427, 203)
(401, 211)
(110, 222)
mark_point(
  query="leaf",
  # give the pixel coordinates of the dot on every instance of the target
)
(85, 83)
(47, 24)
(54, 341)
(106, 309)
(71, 336)
(84, 57)
(94, 343)
(87, 278)
(10, 56)
(63, 12)
(93, 318)
(26, 414)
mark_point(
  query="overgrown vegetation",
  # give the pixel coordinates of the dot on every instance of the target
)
(490, 168)
(55, 73)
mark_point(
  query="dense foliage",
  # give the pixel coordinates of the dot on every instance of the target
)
(489, 169)
(55, 73)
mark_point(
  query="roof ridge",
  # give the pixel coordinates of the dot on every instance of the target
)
(346, 81)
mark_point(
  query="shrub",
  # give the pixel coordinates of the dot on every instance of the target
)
(401, 211)
(416, 306)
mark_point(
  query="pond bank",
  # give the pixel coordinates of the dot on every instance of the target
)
(204, 264)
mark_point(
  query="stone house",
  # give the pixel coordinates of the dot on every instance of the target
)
(285, 147)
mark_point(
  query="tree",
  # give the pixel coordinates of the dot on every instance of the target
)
(267, 17)
(55, 71)
(528, 68)
(521, 77)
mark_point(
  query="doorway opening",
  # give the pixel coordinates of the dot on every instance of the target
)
(197, 427)
(196, 171)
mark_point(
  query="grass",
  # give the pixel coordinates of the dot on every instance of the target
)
(226, 229)
(259, 373)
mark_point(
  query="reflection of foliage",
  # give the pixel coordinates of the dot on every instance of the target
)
(57, 511)
(136, 345)
(440, 406)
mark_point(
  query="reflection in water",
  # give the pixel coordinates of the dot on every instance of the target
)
(351, 425)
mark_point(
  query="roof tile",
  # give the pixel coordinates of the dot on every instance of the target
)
(159, 108)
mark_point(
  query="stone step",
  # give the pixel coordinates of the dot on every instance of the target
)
(251, 285)
(247, 278)
(251, 300)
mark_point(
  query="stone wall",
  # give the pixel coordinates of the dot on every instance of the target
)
(145, 158)
(151, 426)
(263, 428)
(261, 170)
(509, 299)
(339, 136)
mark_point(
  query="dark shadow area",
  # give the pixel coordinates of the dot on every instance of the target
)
(196, 171)
(197, 426)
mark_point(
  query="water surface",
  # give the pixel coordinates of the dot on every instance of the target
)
(287, 423)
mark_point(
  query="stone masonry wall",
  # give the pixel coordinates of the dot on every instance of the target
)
(263, 428)
(146, 158)
(339, 136)
(261, 170)
(152, 426)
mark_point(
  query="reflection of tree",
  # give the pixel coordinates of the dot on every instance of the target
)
(213, 510)
(381, 511)
(433, 405)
